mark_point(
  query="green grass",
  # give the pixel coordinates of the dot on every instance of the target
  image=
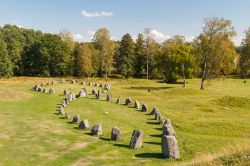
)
(211, 126)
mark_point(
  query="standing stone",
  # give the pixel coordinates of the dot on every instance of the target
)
(61, 110)
(83, 83)
(137, 105)
(157, 116)
(65, 92)
(44, 90)
(168, 130)
(90, 83)
(99, 95)
(66, 101)
(128, 101)
(67, 115)
(144, 108)
(116, 134)
(52, 91)
(75, 119)
(97, 130)
(96, 84)
(94, 92)
(70, 97)
(169, 146)
(101, 85)
(109, 97)
(73, 95)
(167, 122)
(40, 89)
(73, 81)
(63, 81)
(53, 82)
(82, 93)
(154, 111)
(118, 101)
(84, 124)
(136, 139)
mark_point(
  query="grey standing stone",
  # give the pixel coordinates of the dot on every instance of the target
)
(144, 108)
(168, 130)
(82, 93)
(97, 84)
(90, 83)
(52, 91)
(83, 83)
(99, 95)
(65, 92)
(116, 134)
(118, 101)
(44, 90)
(169, 146)
(70, 97)
(154, 111)
(109, 97)
(73, 81)
(67, 115)
(40, 89)
(61, 110)
(137, 105)
(75, 119)
(97, 130)
(94, 92)
(136, 139)
(84, 124)
(167, 122)
(128, 101)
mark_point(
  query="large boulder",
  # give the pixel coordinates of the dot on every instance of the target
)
(118, 101)
(75, 119)
(84, 124)
(52, 91)
(128, 101)
(109, 97)
(137, 105)
(169, 146)
(97, 130)
(136, 139)
(144, 108)
(116, 134)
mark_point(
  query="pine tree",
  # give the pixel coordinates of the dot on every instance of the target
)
(126, 56)
(140, 56)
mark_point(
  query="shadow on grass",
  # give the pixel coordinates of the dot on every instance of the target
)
(153, 123)
(149, 155)
(56, 113)
(105, 139)
(158, 128)
(89, 133)
(155, 135)
(122, 145)
(153, 143)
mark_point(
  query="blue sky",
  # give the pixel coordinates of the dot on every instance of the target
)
(165, 17)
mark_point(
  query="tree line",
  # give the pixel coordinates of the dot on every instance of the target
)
(211, 54)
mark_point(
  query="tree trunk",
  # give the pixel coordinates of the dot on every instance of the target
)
(147, 67)
(184, 77)
(204, 74)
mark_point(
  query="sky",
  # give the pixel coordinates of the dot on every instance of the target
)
(165, 18)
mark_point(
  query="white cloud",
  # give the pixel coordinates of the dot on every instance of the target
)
(77, 37)
(159, 36)
(96, 14)
(237, 41)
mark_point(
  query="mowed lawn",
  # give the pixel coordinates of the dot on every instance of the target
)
(212, 126)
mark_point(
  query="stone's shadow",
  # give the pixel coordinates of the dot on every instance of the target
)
(62, 118)
(56, 113)
(153, 123)
(158, 128)
(71, 122)
(147, 88)
(105, 139)
(153, 143)
(122, 145)
(89, 133)
(150, 118)
(155, 135)
(149, 155)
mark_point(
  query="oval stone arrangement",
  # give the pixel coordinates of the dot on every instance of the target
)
(169, 143)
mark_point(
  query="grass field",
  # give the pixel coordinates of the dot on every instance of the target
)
(212, 126)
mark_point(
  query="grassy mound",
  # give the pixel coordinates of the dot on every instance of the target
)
(229, 101)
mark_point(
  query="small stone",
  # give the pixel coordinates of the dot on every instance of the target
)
(63, 81)
(61, 110)
(67, 115)
(109, 97)
(75, 119)
(99, 95)
(73, 81)
(128, 101)
(137, 105)
(118, 101)
(83, 82)
(53, 82)
(90, 84)
(44, 90)
(94, 92)
(169, 146)
(52, 91)
(144, 108)
(116, 134)
(65, 92)
(96, 84)
(84, 124)
(136, 139)
(97, 130)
